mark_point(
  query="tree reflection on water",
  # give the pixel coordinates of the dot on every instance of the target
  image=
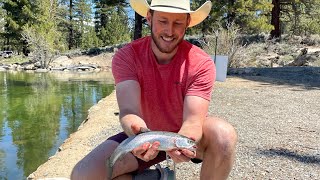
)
(38, 112)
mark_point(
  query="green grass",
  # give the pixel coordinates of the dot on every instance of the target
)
(14, 59)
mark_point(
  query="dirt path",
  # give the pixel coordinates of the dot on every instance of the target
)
(276, 114)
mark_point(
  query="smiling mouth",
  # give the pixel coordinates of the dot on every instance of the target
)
(167, 39)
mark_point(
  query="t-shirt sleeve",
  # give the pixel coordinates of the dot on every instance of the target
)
(203, 81)
(123, 66)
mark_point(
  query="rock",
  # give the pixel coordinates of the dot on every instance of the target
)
(31, 176)
(29, 67)
(14, 66)
(2, 69)
(61, 61)
(302, 59)
(58, 68)
(41, 70)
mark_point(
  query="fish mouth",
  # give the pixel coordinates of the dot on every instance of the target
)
(193, 148)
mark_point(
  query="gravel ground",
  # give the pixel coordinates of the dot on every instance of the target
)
(276, 113)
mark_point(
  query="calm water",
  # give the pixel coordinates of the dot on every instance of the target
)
(38, 111)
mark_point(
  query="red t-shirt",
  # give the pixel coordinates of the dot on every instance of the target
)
(163, 87)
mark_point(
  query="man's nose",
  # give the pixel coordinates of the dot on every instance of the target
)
(169, 29)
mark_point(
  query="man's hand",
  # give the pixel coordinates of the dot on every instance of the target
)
(136, 129)
(182, 155)
(146, 151)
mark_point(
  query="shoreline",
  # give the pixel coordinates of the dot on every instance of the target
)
(82, 141)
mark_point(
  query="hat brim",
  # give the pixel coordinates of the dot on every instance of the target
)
(142, 7)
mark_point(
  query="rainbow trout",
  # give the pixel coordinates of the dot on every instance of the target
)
(168, 141)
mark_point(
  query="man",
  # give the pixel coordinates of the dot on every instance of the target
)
(165, 83)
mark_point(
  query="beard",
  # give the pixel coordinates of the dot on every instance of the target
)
(166, 48)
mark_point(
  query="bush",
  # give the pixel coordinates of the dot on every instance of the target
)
(312, 40)
(224, 42)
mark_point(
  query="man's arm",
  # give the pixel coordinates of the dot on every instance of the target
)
(128, 97)
(195, 110)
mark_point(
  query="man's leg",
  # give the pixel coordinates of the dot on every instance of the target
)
(217, 149)
(93, 166)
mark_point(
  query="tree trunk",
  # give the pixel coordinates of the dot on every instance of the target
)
(296, 14)
(71, 42)
(275, 19)
(137, 26)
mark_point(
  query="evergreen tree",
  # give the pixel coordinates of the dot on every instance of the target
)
(90, 38)
(103, 9)
(111, 21)
(116, 29)
(82, 19)
(2, 24)
(250, 16)
(18, 14)
(43, 36)
(300, 17)
(74, 17)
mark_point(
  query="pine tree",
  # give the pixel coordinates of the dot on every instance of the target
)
(116, 29)
(2, 24)
(295, 17)
(43, 37)
(250, 16)
(82, 20)
(90, 39)
(103, 8)
(18, 14)
(111, 21)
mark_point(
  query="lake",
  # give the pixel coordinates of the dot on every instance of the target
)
(38, 111)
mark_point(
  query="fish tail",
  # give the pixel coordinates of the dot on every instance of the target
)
(118, 154)
(109, 169)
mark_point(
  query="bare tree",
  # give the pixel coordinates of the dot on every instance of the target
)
(41, 51)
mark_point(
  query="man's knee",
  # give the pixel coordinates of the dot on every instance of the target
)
(220, 134)
(77, 172)
(93, 165)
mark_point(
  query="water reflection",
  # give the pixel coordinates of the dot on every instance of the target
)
(39, 111)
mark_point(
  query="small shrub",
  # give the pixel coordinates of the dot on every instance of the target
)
(224, 42)
(285, 60)
(93, 51)
(285, 49)
(312, 40)
(250, 39)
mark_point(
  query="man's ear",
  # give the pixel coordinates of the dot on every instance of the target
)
(149, 18)
(188, 20)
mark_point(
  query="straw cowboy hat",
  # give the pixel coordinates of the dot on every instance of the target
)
(173, 6)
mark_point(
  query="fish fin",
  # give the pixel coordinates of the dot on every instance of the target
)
(109, 169)
(143, 130)
(111, 161)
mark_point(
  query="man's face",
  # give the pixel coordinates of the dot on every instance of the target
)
(167, 29)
